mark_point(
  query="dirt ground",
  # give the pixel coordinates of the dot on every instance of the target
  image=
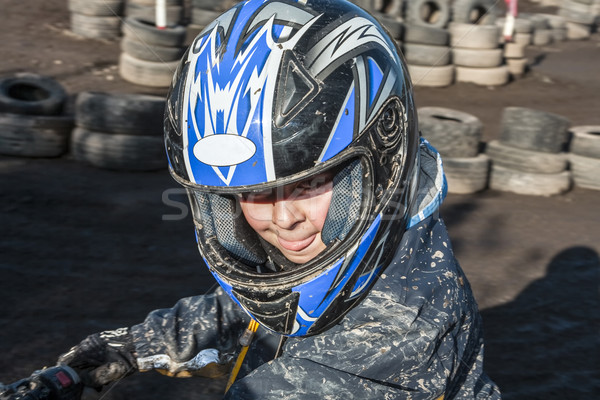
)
(84, 250)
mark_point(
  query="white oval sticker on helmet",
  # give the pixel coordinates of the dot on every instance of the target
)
(223, 150)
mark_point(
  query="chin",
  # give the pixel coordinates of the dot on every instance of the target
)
(298, 259)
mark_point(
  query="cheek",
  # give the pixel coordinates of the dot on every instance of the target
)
(319, 208)
(258, 215)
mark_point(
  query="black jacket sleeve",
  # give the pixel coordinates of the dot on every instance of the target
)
(209, 323)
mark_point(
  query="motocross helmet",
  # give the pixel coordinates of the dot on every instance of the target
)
(273, 93)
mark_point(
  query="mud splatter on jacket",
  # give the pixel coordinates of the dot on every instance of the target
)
(417, 335)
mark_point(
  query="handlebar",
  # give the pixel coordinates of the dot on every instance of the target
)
(55, 383)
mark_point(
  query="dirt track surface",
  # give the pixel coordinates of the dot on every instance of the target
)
(83, 249)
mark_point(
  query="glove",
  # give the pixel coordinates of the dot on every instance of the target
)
(102, 358)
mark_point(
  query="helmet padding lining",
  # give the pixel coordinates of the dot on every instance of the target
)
(346, 199)
(221, 218)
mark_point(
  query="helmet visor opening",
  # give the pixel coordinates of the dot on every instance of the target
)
(282, 228)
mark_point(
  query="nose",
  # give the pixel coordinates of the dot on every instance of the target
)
(286, 214)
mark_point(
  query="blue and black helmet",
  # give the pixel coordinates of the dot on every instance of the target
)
(274, 92)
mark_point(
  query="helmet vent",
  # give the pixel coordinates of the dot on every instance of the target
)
(296, 88)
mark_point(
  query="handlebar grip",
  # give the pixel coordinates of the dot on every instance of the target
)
(60, 382)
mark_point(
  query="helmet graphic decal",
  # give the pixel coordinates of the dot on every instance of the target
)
(230, 93)
(344, 128)
(373, 83)
(375, 76)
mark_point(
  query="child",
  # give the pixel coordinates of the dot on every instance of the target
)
(293, 128)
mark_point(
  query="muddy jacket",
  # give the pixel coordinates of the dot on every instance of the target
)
(417, 335)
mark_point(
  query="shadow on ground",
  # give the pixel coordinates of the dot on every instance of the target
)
(545, 343)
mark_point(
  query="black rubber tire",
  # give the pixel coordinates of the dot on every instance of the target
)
(522, 38)
(525, 160)
(426, 54)
(146, 73)
(106, 8)
(542, 37)
(584, 18)
(578, 31)
(213, 5)
(527, 183)
(559, 34)
(474, 36)
(586, 141)
(153, 2)
(522, 25)
(514, 50)
(535, 130)
(203, 17)
(467, 175)
(434, 13)
(425, 35)
(174, 14)
(477, 58)
(31, 94)
(34, 135)
(517, 66)
(538, 21)
(493, 76)
(394, 8)
(480, 12)
(393, 25)
(118, 152)
(143, 51)
(453, 133)
(94, 27)
(429, 76)
(585, 171)
(131, 114)
(147, 32)
(575, 6)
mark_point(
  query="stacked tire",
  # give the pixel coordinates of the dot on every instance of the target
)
(393, 24)
(584, 156)
(96, 19)
(431, 13)
(205, 11)
(479, 12)
(558, 26)
(542, 34)
(149, 55)
(146, 10)
(581, 16)
(33, 122)
(428, 56)
(523, 32)
(595, 10)
(528, 158)
(371, 6)
(477, 55)
(457, 136)
(515, 60)
(514, 50)
(119, 131)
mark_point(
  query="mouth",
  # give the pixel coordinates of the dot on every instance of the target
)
(296, 245)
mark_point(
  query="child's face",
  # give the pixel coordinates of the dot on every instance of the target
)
(291, 217)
